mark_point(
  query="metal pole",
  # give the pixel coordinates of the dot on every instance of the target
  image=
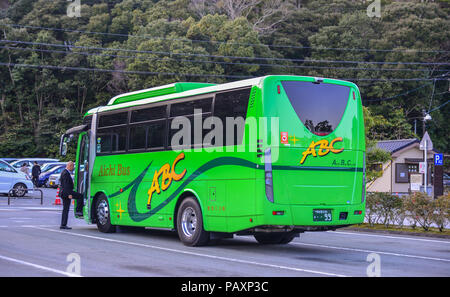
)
(426, 166)
(423, 122)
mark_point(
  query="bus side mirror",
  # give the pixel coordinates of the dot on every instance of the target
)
(65, 139)
(63, 149)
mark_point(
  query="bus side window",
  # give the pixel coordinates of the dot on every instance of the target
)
(138, 135)
(156, 134)
(232, 104)
(148, 114)
(119, 136)
(187, 109)
(112, 140)
(104, 144)
(114, 119)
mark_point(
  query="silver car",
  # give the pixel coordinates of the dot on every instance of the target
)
(53, 180)
(12, 179)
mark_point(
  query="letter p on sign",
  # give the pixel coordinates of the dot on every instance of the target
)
(438, 159)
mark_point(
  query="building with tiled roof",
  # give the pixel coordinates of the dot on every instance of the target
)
(402, 172)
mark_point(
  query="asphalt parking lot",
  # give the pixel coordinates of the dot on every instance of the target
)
(33, 245)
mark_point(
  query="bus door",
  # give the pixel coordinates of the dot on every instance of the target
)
(82, 176)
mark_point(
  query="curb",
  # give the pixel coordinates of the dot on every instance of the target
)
(356, 229)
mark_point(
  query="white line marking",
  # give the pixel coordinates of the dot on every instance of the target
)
(386, 236)
(18, 218)
(370, 251)
(39, 266)
(194, 254)
(17, 208)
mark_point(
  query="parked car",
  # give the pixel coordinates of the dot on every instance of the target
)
(30, 162)
(9, 160)
(47, 166)
(10, 178)
(43, 177)
(53, 180)
(446, 178)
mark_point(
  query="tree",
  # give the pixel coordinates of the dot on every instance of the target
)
(374, 156)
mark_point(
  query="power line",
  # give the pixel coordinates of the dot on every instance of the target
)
(121, 71)
(188, 74)
(399, 95)
(218, 62)
(436, 108)
(220, 56)
(224, 42)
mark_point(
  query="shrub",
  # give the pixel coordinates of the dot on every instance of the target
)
(420, 209)
(372, 208)
(384, 208)
(441, 214)
(390, 206)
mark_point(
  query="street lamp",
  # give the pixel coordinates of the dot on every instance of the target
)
(426, 117)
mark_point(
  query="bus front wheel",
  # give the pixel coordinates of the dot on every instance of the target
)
(190, 223)
(103, 214)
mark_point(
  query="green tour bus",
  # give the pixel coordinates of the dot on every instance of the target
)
(271, 157)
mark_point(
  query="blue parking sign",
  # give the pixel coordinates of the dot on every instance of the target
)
(438, 159)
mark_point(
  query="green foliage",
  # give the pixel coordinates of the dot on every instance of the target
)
(384, 208)
(441, 214)
(374, 155)
(418, 208)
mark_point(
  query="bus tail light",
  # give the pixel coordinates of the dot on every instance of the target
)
(364, 179)
(278, 212)
(268, 174)
(358, 212)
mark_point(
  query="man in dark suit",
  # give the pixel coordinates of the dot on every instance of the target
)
(67, 193)
(35, 172)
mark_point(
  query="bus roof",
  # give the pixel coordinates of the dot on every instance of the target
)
(158, 91)
(179, 90)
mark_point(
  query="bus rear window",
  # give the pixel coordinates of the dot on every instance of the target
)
(320, 107)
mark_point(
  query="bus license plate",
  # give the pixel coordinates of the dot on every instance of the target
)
(322, 215)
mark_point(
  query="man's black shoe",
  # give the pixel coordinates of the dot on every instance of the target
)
(65, 228)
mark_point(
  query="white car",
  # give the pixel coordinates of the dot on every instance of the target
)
(30, 162)
(10, 178)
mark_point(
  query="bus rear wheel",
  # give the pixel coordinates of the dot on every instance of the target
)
(274, 238)
(103, 215)
(190, 223)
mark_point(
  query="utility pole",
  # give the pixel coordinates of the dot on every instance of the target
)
(426, 144)
(423, 122)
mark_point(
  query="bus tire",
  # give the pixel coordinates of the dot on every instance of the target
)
(274, 238)
(190, 223)
(103, 215)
